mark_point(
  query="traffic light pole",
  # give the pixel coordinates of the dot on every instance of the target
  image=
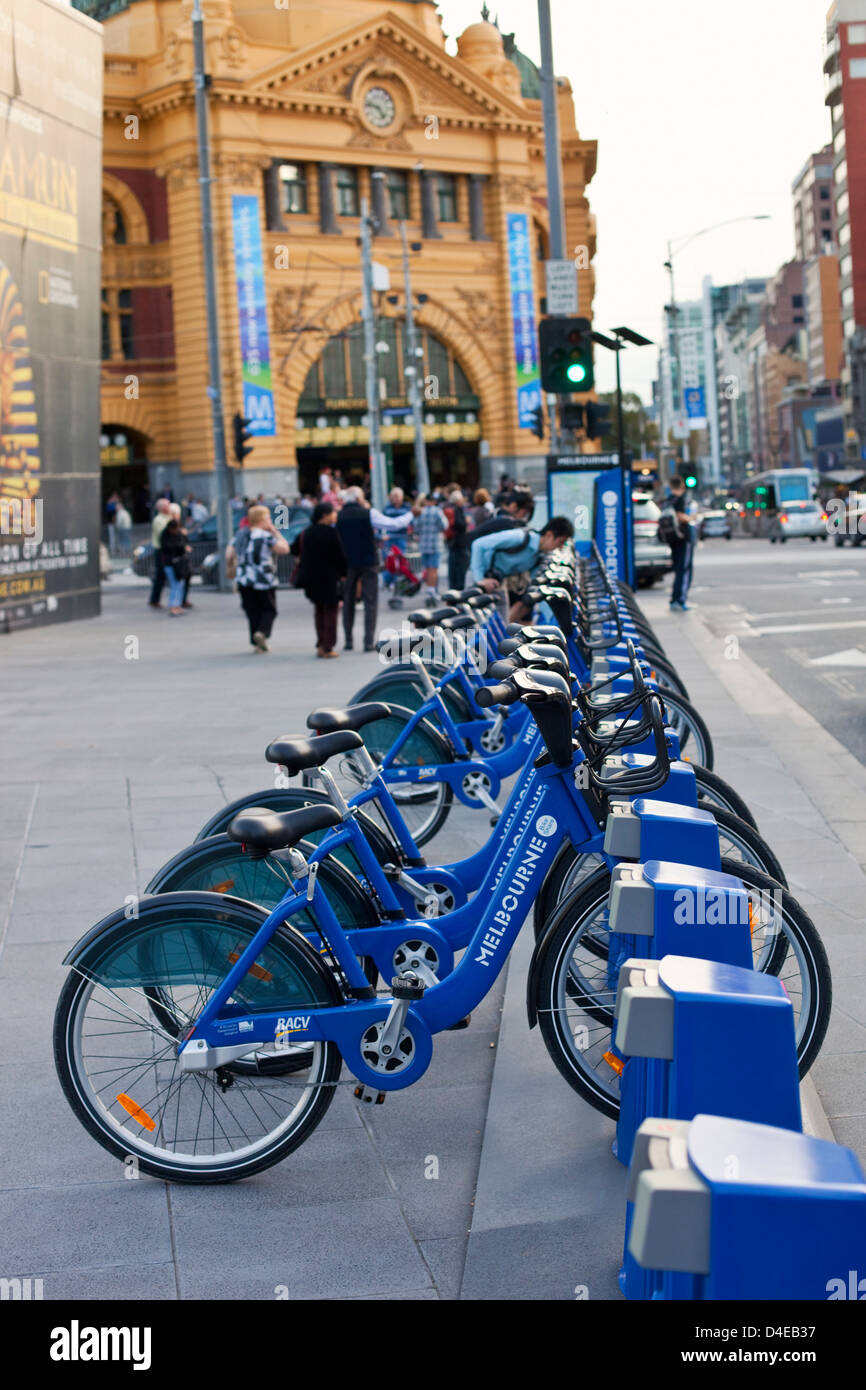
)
(422, 473)
(214, 390)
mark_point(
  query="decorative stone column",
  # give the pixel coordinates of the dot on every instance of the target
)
(476, 207)
(273, 211)
(429, 219)
(379, 202)
(327, 210)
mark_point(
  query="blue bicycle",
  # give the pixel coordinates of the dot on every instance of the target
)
(206, 1037)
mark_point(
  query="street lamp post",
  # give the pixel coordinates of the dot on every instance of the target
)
(675, 336)
(422, 473)
(621, 337)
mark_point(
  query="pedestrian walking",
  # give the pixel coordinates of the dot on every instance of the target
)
(175, 551)
(396, 506)
(161, 518)
(123, 528)
(430, 526)
(254, 548)
(320, 571)
(355, 530)
(675, 531)
(457, 539)
(111, 505)
(482, 508)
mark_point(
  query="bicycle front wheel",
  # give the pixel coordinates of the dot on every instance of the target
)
(116, 1054)
(577, 982)
(424, 805)
(696, 745)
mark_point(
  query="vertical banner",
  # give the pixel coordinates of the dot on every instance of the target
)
(50, 231)
(523, 318)
(252, 315)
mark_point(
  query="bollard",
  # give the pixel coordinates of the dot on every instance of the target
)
(642, 830)
(700, 1037)
(725, 1209)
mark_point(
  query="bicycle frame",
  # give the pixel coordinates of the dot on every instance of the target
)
(553, 812)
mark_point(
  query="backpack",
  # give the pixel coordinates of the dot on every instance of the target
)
(514, 555)
(669, 530)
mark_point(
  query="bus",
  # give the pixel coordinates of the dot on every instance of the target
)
(763, 496)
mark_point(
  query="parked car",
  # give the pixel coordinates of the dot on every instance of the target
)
(652, 559)
(716, 523)
(203, 540)
(799, 519)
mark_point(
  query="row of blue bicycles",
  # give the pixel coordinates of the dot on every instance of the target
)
(306, 934)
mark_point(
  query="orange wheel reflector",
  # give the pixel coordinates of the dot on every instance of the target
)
(752, 922)
(615, 1063)
(225, 887)
(141, 1116)
(257, 971)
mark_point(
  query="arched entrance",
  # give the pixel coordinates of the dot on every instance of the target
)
(331, 428)
(123, 457)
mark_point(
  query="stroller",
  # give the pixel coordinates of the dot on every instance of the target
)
(404, 584)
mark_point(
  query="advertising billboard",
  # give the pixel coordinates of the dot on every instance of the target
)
(50, 229)
(523, 318)
(252, 315)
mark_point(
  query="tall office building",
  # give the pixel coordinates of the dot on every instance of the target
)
(845, 94)
(814, 207)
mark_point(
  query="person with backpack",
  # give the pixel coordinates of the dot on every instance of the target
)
(253, 550)
(675, 531)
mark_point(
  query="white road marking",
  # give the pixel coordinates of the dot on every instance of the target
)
(852, 656)
(804, 627)
(828, 574)
(837, 600)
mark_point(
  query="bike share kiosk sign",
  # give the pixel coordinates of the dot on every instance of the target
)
(594, 492)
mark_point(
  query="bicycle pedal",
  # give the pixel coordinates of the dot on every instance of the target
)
(461, 1023)
(407, 986)
(370, 1096)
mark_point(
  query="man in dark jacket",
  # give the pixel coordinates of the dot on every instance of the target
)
(356, 532)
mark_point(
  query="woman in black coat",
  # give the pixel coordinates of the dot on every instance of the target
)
(322, 564)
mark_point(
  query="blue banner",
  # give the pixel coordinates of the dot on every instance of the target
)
(695, 404)
(523, 318)
(252, 315)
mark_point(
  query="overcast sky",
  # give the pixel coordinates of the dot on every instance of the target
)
(702, 112)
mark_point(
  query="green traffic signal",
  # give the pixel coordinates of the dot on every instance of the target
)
(691, 480)
(565, 355)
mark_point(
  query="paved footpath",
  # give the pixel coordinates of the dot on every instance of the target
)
(111, 765)
(122, 735)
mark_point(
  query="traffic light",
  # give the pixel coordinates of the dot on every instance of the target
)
(565, 350)
(690, 480)
(571, 416)
(598, 422)
(538, 421)
(242, 435)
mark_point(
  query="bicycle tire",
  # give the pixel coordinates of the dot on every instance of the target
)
(401, 685)
(594, 994)
(287, 967)
(570, 867)
(283, 799)
(681, 713)
(714, 790)
(425, 747)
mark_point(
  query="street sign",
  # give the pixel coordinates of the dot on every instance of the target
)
(695, 405)
(561, 286)
(594, 461)
(680, 427)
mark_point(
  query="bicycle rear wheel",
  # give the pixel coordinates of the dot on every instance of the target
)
(118, 1065)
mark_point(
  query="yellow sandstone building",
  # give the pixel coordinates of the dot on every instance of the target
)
(314, 106)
